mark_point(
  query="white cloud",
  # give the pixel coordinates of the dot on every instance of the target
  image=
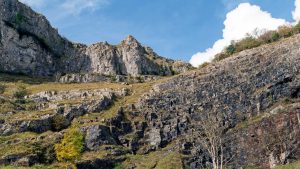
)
(240, 21)
(75, 7)
(296, 12)
(33, 3)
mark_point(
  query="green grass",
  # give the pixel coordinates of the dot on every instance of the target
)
(36, 85)
(163, 159)
(294, 165)
(7, 104)
(172, 161)
(250, 121)
(24, 143)
(38, 166)
(105, 151)
(28, 115)
(12, 78)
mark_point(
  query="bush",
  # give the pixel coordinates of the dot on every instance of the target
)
(247, 43)
(297, 28)
(231, 49)
(275, 37)
(20, 93)
(269, 37)
(71, 146)
(221, 56)
(45, 153)
(285, 31)
(58, 122)
(2, 88)
(252, 42)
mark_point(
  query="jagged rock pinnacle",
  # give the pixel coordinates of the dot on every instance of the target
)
(130, 40)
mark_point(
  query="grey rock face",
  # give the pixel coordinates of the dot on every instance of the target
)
(29, 45)
(96, 136)
(127, 58)
(61, 116)
(23, 54)
(243, 86)
(19, 160)
(98, 164)
(77, 94)
(100, 104)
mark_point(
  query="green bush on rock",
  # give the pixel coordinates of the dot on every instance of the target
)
(71, 147)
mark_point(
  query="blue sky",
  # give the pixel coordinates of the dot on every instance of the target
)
(173, 28)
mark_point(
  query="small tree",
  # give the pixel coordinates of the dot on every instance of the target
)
(210, 135)
(71, 147)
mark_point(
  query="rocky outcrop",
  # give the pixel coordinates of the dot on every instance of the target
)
(240, 88)
(98, 135)
(78, 94)
(99, 164)
(20, 160)
(85, 78)
(29, 45)
(272, 141)
(59, 116)
(127, 58)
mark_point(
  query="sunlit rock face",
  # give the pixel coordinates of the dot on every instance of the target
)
(29, 45)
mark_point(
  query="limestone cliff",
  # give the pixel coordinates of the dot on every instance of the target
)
(255, 93)
(29, 45)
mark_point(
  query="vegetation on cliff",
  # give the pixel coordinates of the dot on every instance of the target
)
(255, 40)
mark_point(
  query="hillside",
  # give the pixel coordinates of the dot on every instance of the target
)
(153, 124)
(243, 111)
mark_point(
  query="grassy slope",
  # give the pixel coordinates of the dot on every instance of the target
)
(25, 141)
(295, 165)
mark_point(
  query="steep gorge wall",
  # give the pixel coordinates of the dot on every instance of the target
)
(30, 45)
(252, 84)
